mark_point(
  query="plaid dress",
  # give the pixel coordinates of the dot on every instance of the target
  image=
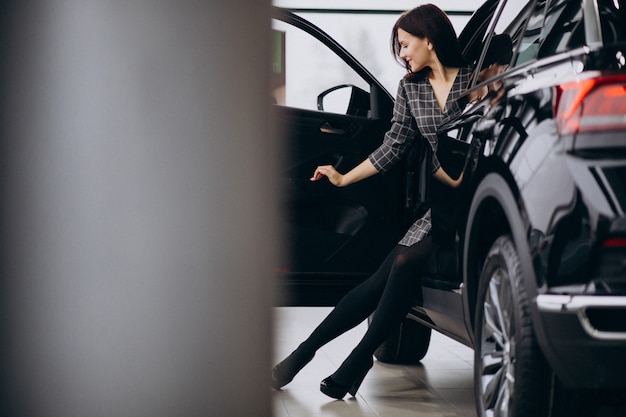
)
(417, 114)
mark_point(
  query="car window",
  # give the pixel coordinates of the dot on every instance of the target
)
(509, 21)
(472, 36)
(497, 45)
(495, 60)
(303, 68)
(531, 40)
(563, 28)
(613, 20)
(513, 15)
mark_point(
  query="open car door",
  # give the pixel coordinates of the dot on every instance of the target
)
(331, 111)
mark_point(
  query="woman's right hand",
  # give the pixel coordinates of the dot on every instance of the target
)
(443, 176)
(329, 172)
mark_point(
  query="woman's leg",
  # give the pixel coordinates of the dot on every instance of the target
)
(351, 310)
(396, 299)
(356, 306)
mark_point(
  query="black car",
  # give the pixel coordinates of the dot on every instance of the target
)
(533, 277)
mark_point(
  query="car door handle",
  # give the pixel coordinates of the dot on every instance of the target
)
(328, 128)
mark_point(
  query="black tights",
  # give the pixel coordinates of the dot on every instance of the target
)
(389, 292)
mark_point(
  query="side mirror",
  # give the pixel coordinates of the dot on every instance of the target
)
(345, 99)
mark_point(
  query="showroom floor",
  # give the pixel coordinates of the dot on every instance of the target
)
(440, 387)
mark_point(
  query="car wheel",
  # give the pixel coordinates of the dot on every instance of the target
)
(511, 377)
(407, 345)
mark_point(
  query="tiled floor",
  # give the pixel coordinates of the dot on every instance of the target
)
(440, 387)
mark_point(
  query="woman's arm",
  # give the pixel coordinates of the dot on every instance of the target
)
(443, 176)
(364, 170)
(395, 144)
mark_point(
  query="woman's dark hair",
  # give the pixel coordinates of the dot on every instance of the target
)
(429, 21)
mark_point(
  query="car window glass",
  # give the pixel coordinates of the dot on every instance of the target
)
(510, 16)
(529, 45)
(613, 20)
(471, 37)
(509, 20)
(563, 28)
(495, 60)
(303, 67)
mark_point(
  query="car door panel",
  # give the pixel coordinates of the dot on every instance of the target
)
(329, 110)
(324, 220)
(318, 138)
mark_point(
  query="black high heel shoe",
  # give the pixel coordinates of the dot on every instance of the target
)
(285, 371)
(337, 390)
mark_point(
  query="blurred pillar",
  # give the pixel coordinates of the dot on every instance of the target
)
(137, 200)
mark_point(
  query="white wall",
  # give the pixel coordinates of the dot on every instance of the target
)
(378, 4)
(367, 36)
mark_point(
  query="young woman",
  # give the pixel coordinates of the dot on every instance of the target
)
(424, 40)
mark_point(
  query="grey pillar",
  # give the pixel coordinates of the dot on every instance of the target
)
(137, 208)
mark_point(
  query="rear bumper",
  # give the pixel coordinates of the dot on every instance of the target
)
(586, 343)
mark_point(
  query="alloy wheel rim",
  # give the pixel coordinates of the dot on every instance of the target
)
(497, 347)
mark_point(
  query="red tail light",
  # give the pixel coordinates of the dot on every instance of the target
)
(608, 269)
(591, 105)
(615, 242)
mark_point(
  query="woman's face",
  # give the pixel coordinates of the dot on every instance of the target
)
(415, 51)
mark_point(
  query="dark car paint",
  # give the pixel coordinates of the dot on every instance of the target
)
(545, 190)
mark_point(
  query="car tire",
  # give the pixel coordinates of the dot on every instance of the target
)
(405, 346)
(511, 376)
